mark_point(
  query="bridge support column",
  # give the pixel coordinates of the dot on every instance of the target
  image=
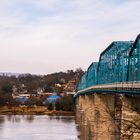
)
(130, 128)
(105, 126)
(96, 116)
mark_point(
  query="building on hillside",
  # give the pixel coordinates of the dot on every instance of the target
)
(70, 87)
(21, 96)
(40, 90)
(53, 98)
(70, 93)
(22, 99)
(19, 89)
(62, 94)
(44, 94)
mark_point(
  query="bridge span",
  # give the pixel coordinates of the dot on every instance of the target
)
(108, 94)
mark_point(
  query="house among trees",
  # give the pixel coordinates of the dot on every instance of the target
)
(53, 98)
(22, 99)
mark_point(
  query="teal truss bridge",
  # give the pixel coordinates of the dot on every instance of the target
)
(118, 70)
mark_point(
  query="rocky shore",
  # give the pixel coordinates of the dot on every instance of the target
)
(37, 110)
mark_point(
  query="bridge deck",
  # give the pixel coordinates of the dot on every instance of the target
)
(118, 88)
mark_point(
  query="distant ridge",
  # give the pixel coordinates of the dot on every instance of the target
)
(9, 74)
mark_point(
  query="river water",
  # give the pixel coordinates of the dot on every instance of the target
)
(17, 127)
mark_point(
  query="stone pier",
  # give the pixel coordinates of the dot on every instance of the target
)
(108, 117)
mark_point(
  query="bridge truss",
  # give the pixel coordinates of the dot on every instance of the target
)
(119, 62)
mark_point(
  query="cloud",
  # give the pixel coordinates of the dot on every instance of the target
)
(55, 35)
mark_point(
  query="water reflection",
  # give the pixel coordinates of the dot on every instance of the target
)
(13, 118)
(32, 127)
(2, 120)
(66, 119)
(30, 118)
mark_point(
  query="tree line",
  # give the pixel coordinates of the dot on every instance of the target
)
(34, 82)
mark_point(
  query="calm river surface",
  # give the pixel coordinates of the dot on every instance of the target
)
(17, 127)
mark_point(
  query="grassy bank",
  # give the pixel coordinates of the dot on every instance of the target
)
(37, 110)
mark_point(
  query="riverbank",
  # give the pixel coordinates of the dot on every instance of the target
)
(37, 110)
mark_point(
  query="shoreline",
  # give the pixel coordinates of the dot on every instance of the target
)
(38, 110)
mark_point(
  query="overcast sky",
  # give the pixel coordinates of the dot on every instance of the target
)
(46, 36)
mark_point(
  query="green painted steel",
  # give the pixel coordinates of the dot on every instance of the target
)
(89, 78)
(83, 82)
(119, 62)
(134, 61)
(114, 62)
(92, 74)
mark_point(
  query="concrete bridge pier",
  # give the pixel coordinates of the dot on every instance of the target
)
(96, 117)
(108, 117)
